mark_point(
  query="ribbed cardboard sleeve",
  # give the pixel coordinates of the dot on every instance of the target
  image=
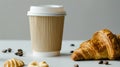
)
(46, 33)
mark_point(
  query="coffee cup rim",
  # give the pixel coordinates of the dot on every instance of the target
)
(46, 10)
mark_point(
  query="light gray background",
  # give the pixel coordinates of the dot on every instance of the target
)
(84, 17)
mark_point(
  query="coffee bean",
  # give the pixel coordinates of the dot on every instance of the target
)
(101, 62)
(71, 51)
(20, 50)
(4, 51)
(9, 49)
(72, 44)
(20, 54)
(16, 53)
(76, 65)
(106, 62)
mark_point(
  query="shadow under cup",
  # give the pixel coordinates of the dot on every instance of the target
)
(46, 35)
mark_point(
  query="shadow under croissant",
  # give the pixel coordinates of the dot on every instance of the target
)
(118, 59)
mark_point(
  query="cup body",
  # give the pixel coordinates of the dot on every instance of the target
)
(46, 30)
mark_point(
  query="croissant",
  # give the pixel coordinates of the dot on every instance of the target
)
(103, 45)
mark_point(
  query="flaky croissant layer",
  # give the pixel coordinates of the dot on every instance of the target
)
(103, 45)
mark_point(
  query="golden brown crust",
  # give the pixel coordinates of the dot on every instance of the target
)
(103, 45)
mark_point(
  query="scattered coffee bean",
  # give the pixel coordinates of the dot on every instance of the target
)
(16, 53)
(20, 54)
(76, 65)
(20, 50)
(4, 51)
(101, 62)
(72, 44)
(9, 49)
(71, 51)
(106, 62)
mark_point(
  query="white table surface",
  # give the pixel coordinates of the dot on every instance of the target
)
(63, 60)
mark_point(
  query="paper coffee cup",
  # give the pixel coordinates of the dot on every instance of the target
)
(46, 29)
(47, 10)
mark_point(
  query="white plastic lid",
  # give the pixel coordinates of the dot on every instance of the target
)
(46, 10)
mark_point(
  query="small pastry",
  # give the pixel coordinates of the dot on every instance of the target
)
(33, 64)
(36, 64)
(43, 64)
(14, 63)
